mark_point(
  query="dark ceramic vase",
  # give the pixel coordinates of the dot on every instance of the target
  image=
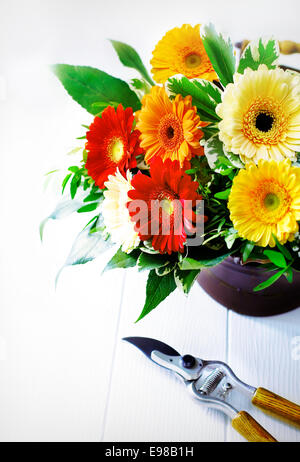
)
(231, 284)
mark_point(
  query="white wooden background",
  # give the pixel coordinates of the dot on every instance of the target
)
(65, 374)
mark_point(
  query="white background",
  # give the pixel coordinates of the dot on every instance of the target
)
(64, 373)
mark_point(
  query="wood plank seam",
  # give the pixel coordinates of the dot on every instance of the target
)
(113, 358)
(227, 421)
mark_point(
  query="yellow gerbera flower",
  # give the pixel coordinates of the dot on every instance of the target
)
(169, 129)
(181, 51)
(260, 115)
(265, 201)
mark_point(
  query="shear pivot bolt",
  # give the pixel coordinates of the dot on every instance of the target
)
(188, 361)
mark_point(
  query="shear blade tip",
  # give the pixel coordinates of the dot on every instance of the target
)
(147, 345)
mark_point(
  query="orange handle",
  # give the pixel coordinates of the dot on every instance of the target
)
(269, 401)
(250, 429)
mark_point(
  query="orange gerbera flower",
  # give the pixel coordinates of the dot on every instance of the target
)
(181, 51)
(169, 129)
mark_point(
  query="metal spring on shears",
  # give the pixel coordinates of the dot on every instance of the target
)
(211, 381)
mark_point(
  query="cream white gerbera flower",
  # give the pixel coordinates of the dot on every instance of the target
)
(260, 115)
(115, 213)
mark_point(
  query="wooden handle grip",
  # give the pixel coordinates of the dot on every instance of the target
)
(267, 400)
(250, 429)
(287, 47)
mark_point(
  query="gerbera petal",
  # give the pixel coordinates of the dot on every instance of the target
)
(271, 193)
(111, 144)
(262, 107)
(115, 212)
(170, 186)
(169, 129)
(181, 51)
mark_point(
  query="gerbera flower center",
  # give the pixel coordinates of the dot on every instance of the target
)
(166, 200)
(264, 122)
(270, 202)
(170, 132)
(167, 206)
(192, 60)
(116, 149)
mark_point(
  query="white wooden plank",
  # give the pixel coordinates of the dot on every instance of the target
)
(147, 403)
(59, 346)
(261, 352)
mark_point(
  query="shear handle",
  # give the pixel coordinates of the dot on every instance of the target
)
(250, 429)
(269, 401)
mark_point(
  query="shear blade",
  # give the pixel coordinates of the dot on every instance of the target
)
(147, 345)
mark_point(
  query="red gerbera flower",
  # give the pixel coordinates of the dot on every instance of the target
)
(165, 195)
(111, 144)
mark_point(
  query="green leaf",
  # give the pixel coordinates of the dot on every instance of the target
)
(51, 172)
(223, 194)
(193, 264)
(147, 248)
(210, 130)
(141, 86)
(158, 288)
(122, 260)
(269, 281)
(289, 275)
(62, 210)
(75, 183)
(86, 247)
(216, 154)
(220, 53)
(247, 250)
(130, 58)
(87, 183)
(297, 162)
(65, 181)
(93, 222)
(213, 149)
(185, 279)
(88, 207)
(276, 257)
(283, 249)
(148, 261)
(230, 237)
(234, 159)
(103, 105)
(78, 149)
(93, 197)
(259, 52)
(87, 85)
(73, 169)
(222, 222)
(205, 95)
(163, 270)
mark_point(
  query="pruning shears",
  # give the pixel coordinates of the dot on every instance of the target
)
(214, 383)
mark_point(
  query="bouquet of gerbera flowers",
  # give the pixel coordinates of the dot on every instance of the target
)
(200, 164)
